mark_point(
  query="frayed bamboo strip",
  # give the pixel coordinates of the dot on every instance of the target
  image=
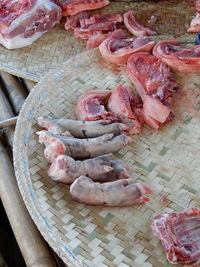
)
(14, 90)
(31, 243)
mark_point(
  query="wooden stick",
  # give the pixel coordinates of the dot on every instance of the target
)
(31, 243)
(14, 90)
(29, 84)
(8, 122)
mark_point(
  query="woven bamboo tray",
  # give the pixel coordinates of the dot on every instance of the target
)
(55, 47)
(167, 160)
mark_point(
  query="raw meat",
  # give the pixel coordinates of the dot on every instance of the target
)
(102, 169)
(72, 7)
(91, 106)
(180, 235)
(135, 27)
(24, 21)
(119, 50)
(195, 23)
(81, 148)
(180, 59)
(154, 83)
(119, 103)
(73, 22)
(99, 23)
(117, 193)
(81, 129)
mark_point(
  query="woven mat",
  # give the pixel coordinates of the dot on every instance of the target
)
(55, 47)
(167, 160)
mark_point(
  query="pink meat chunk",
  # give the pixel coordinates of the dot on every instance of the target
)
(73, 7)
(135, 27)
(119, 103)
(116, 193)
(24, 21)
(154, 83)
(91, 106)
(73, 22)
(195, 23)
(118, 50)
(180, 235)
(186, 60)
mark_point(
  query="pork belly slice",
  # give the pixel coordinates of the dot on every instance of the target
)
(66, 170)
(73, 7)
(180, 235)
(92, 105)
(154, 83)
(73, 22)
(116, 193)
(118, 50)
(186, 60)
(120, 104)
(98, 23)
(56, 145)
(135, 27)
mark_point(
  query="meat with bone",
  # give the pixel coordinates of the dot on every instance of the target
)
(91, 106)
(66, 170)
(81, 129)
(154, 83)
(119, 50)
(72, 7)
(119, 103)
(24, 21)
(179, 234)
(186, 60)
(135, 27)
(116, 193)
(81, 148)
(98, 23)
(73, 22)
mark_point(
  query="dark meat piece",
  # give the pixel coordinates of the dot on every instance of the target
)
(117, 193)
(180, 235)
(24, 21)
(99, 23)
(135, 27)
(180, 59)
(73, 22)
(80, 129)
(119, 50)
(91, 106)
(154, 83)
(119, 103)
(102, 169)
(81, 148)
(72, 7)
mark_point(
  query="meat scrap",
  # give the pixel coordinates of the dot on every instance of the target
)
(116, 193)
(135, 27)
(118, 50)
(91, 106)
(179, 234)
(180, 59)
(24, 21)
(73, 22)
(195, 23)
(56, 145)
(73, 7)
(80, 129)
(66, 170)
(120, 104)
(155, 84)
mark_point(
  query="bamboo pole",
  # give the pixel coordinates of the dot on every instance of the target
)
(14, 90)
(31, 243)
(8, 122)
(29, 84)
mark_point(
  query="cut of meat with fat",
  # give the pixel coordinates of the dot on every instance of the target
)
(72, 7)
(186, 60)
(73, 22)
(24, 21)
(180, 235)
(195, 23)
(155, 84)
(116, 193)
(120, 104)
(135, 27)
(92, 105)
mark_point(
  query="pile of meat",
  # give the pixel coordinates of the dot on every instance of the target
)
(195, 23)
(79, 154)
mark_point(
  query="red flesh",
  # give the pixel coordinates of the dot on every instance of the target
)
(73, 22)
